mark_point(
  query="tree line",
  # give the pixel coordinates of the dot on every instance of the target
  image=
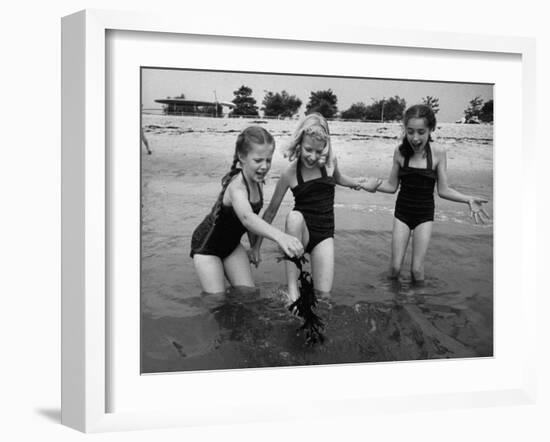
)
(285, 105)
(478, 111)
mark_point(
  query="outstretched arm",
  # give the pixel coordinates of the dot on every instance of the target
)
(477, 212)
(280, 190)
(344, 180)
(391, 184)
(353, 183)
(253, 223)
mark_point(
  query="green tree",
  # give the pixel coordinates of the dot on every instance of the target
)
(357, 111)
(245, 104)
(486, 112)
(323, 102)
(471, 113)
(280, 104)
(432, 102)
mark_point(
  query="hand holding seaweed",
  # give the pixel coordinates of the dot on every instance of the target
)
(306, 302)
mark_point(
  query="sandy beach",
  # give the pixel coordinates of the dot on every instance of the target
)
(368, 318)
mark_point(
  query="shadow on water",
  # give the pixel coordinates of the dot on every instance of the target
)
(243, 329)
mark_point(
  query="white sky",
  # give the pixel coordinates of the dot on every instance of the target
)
(200, 85)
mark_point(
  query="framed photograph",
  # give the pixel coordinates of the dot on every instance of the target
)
(189, 321)
(157, 120)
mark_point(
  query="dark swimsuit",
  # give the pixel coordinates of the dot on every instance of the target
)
(314, 199)
(415, 201)
(221, 236)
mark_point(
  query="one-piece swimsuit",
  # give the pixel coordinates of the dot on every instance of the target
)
(314, 199)
(221, 236)
(415, 201)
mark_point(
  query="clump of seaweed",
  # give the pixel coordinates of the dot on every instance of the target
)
(306, 302)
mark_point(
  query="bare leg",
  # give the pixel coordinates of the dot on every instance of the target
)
(145, 142)
(237, 268)
(322, 266)
(209, 268)
(295, 226)
(399, 242)
(421, 239)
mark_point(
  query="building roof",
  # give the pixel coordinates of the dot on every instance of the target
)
(183, 101)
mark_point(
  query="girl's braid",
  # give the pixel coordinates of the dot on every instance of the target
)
(234, 170)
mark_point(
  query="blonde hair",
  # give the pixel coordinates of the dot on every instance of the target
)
(315, 126)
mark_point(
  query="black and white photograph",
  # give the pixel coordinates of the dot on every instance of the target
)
(271, 222)
(294, 220)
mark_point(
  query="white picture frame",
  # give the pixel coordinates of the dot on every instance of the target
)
(86, 207)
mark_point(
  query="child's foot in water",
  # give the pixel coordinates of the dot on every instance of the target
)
(292, 296)
(324, 298)
(286, 298)
(289, 299)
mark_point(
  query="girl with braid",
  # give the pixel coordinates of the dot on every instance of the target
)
(216, 246)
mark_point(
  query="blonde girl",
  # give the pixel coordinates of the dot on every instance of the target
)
(312, 176)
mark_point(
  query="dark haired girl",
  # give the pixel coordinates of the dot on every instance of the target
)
(216, 243)
(417, 167)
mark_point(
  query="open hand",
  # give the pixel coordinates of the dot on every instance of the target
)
(477, 212)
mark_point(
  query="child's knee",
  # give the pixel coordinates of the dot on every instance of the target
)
(294, 221)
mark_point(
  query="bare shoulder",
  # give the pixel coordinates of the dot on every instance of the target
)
(235, 187)
(439, 153)
(291, 168)
(397, 156)
(288, 176)
(236, 182)
(438, 150)
(289, 171)
(332, 167)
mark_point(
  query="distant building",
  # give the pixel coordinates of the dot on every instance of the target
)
(181, 106)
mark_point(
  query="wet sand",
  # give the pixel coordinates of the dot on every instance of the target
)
(368, 318)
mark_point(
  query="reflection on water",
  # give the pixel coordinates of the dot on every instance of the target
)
(243, 328)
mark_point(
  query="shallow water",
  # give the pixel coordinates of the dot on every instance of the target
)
(368, 318)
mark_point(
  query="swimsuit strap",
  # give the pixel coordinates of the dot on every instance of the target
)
(248, 189)
(261, 193)
(299, 171)
(246, 184)
(429, 159)
(429, 163)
